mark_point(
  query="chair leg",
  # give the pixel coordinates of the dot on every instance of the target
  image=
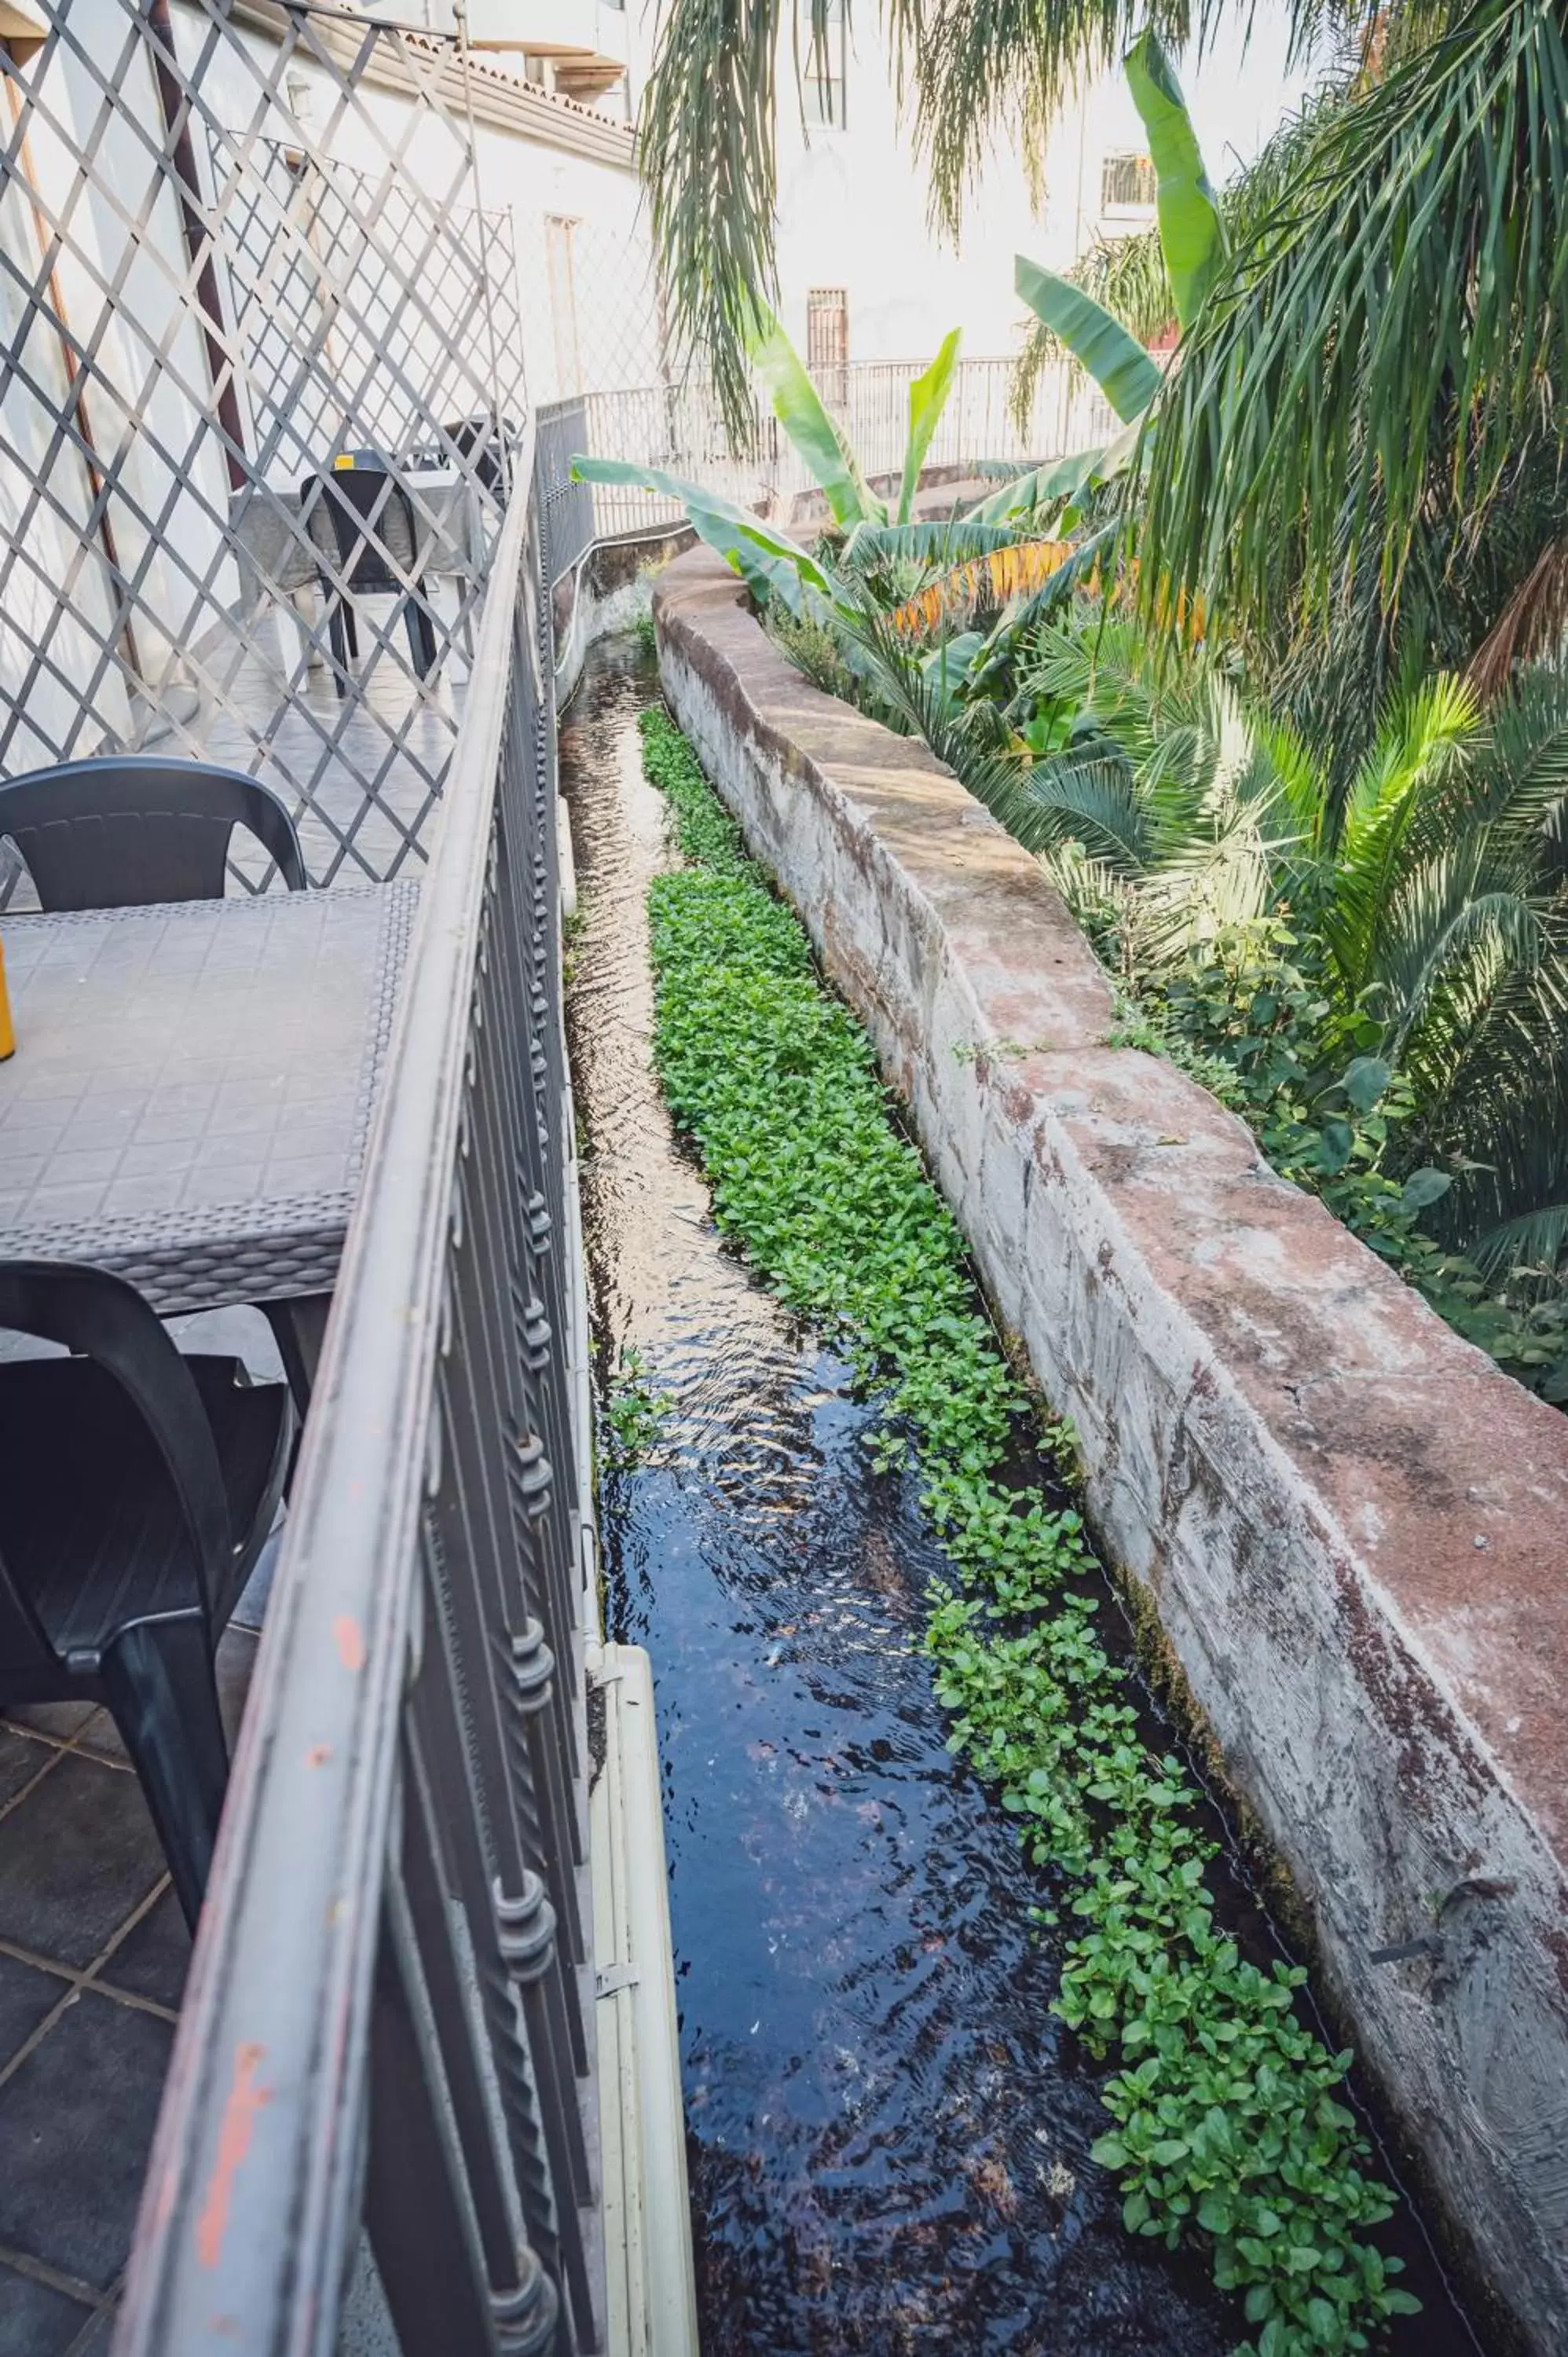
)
(164, 1696)
(420, 635)
(340, 625)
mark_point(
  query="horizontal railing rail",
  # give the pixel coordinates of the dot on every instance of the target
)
(386, 2026)
(679, 427)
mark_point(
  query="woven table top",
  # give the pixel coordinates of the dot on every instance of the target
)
(193, 1085)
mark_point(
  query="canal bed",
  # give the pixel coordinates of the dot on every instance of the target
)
(888, 2130)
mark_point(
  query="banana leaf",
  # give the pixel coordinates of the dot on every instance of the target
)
(798, 408)
(1191, 236)
(928, 399)
(942, 540)
(1045, 487)
(1116, 360)
(771, 564)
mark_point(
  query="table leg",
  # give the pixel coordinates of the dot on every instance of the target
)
(299, 1327)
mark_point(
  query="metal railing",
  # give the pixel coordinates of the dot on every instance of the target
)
(386, 2021)
(678, 427)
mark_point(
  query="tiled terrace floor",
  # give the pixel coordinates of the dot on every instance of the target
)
(92, 1958)
(368, 766)
(363, 772)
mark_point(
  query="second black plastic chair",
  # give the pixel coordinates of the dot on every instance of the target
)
(136, 1491)
(361, 523)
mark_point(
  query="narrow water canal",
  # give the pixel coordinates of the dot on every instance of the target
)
(888, 2129)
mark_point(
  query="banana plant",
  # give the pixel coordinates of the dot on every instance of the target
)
(820, 440)
(1192, 239)
(772, 565)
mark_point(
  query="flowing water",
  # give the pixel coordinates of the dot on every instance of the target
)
(888, 2130)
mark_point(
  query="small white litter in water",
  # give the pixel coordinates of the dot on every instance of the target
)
(757, 2025)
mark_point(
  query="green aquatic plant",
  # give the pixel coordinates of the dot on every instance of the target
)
(1228, 2125)
(634, 1412)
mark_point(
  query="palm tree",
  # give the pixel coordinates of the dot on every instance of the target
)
(1429, 893)
(1386, 335)
(1377, 358)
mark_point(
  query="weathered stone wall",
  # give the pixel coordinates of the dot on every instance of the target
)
(1354, 1529)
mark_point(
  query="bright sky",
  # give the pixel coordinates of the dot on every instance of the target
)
(1238, 95)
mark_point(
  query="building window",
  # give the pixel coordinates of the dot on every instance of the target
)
(827, 70)
(827, 340)
(1127, 180)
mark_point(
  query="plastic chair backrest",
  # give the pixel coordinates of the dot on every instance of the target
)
(478, 438)
(101, 1317)
(125, 830)
(360, 521)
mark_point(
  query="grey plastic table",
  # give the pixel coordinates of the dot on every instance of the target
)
(192, 1088)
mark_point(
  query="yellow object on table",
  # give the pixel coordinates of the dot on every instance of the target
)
(7, 1036)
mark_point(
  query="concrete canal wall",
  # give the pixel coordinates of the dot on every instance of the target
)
(1353, 1527)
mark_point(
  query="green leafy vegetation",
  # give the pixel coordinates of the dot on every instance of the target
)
(634, 1412)
(1228, 2128)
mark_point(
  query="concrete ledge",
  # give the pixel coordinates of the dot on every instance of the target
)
(1354, 1527)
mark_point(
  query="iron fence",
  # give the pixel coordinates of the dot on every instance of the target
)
(679, 427)
(386, 2024)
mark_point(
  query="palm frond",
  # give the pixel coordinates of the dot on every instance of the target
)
(1413, 758)
(708, 144)
(1534, 1239)
(1395, 322)
(1533, 622)
(998, 72)
(1088, 797)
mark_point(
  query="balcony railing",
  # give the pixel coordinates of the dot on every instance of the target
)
(388, 2020)
(679, 427)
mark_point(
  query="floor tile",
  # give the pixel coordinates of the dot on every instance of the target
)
(76, 2124)
(76, 1857)
(36, 2320)
(101, 1736)
(21, 1757)
(151, 1961)
(61, 1719)
(26, 1996)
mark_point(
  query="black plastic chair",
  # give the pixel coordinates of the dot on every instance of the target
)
(489, 445)
(137, 1490)
(126, 829)
(359, 519)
